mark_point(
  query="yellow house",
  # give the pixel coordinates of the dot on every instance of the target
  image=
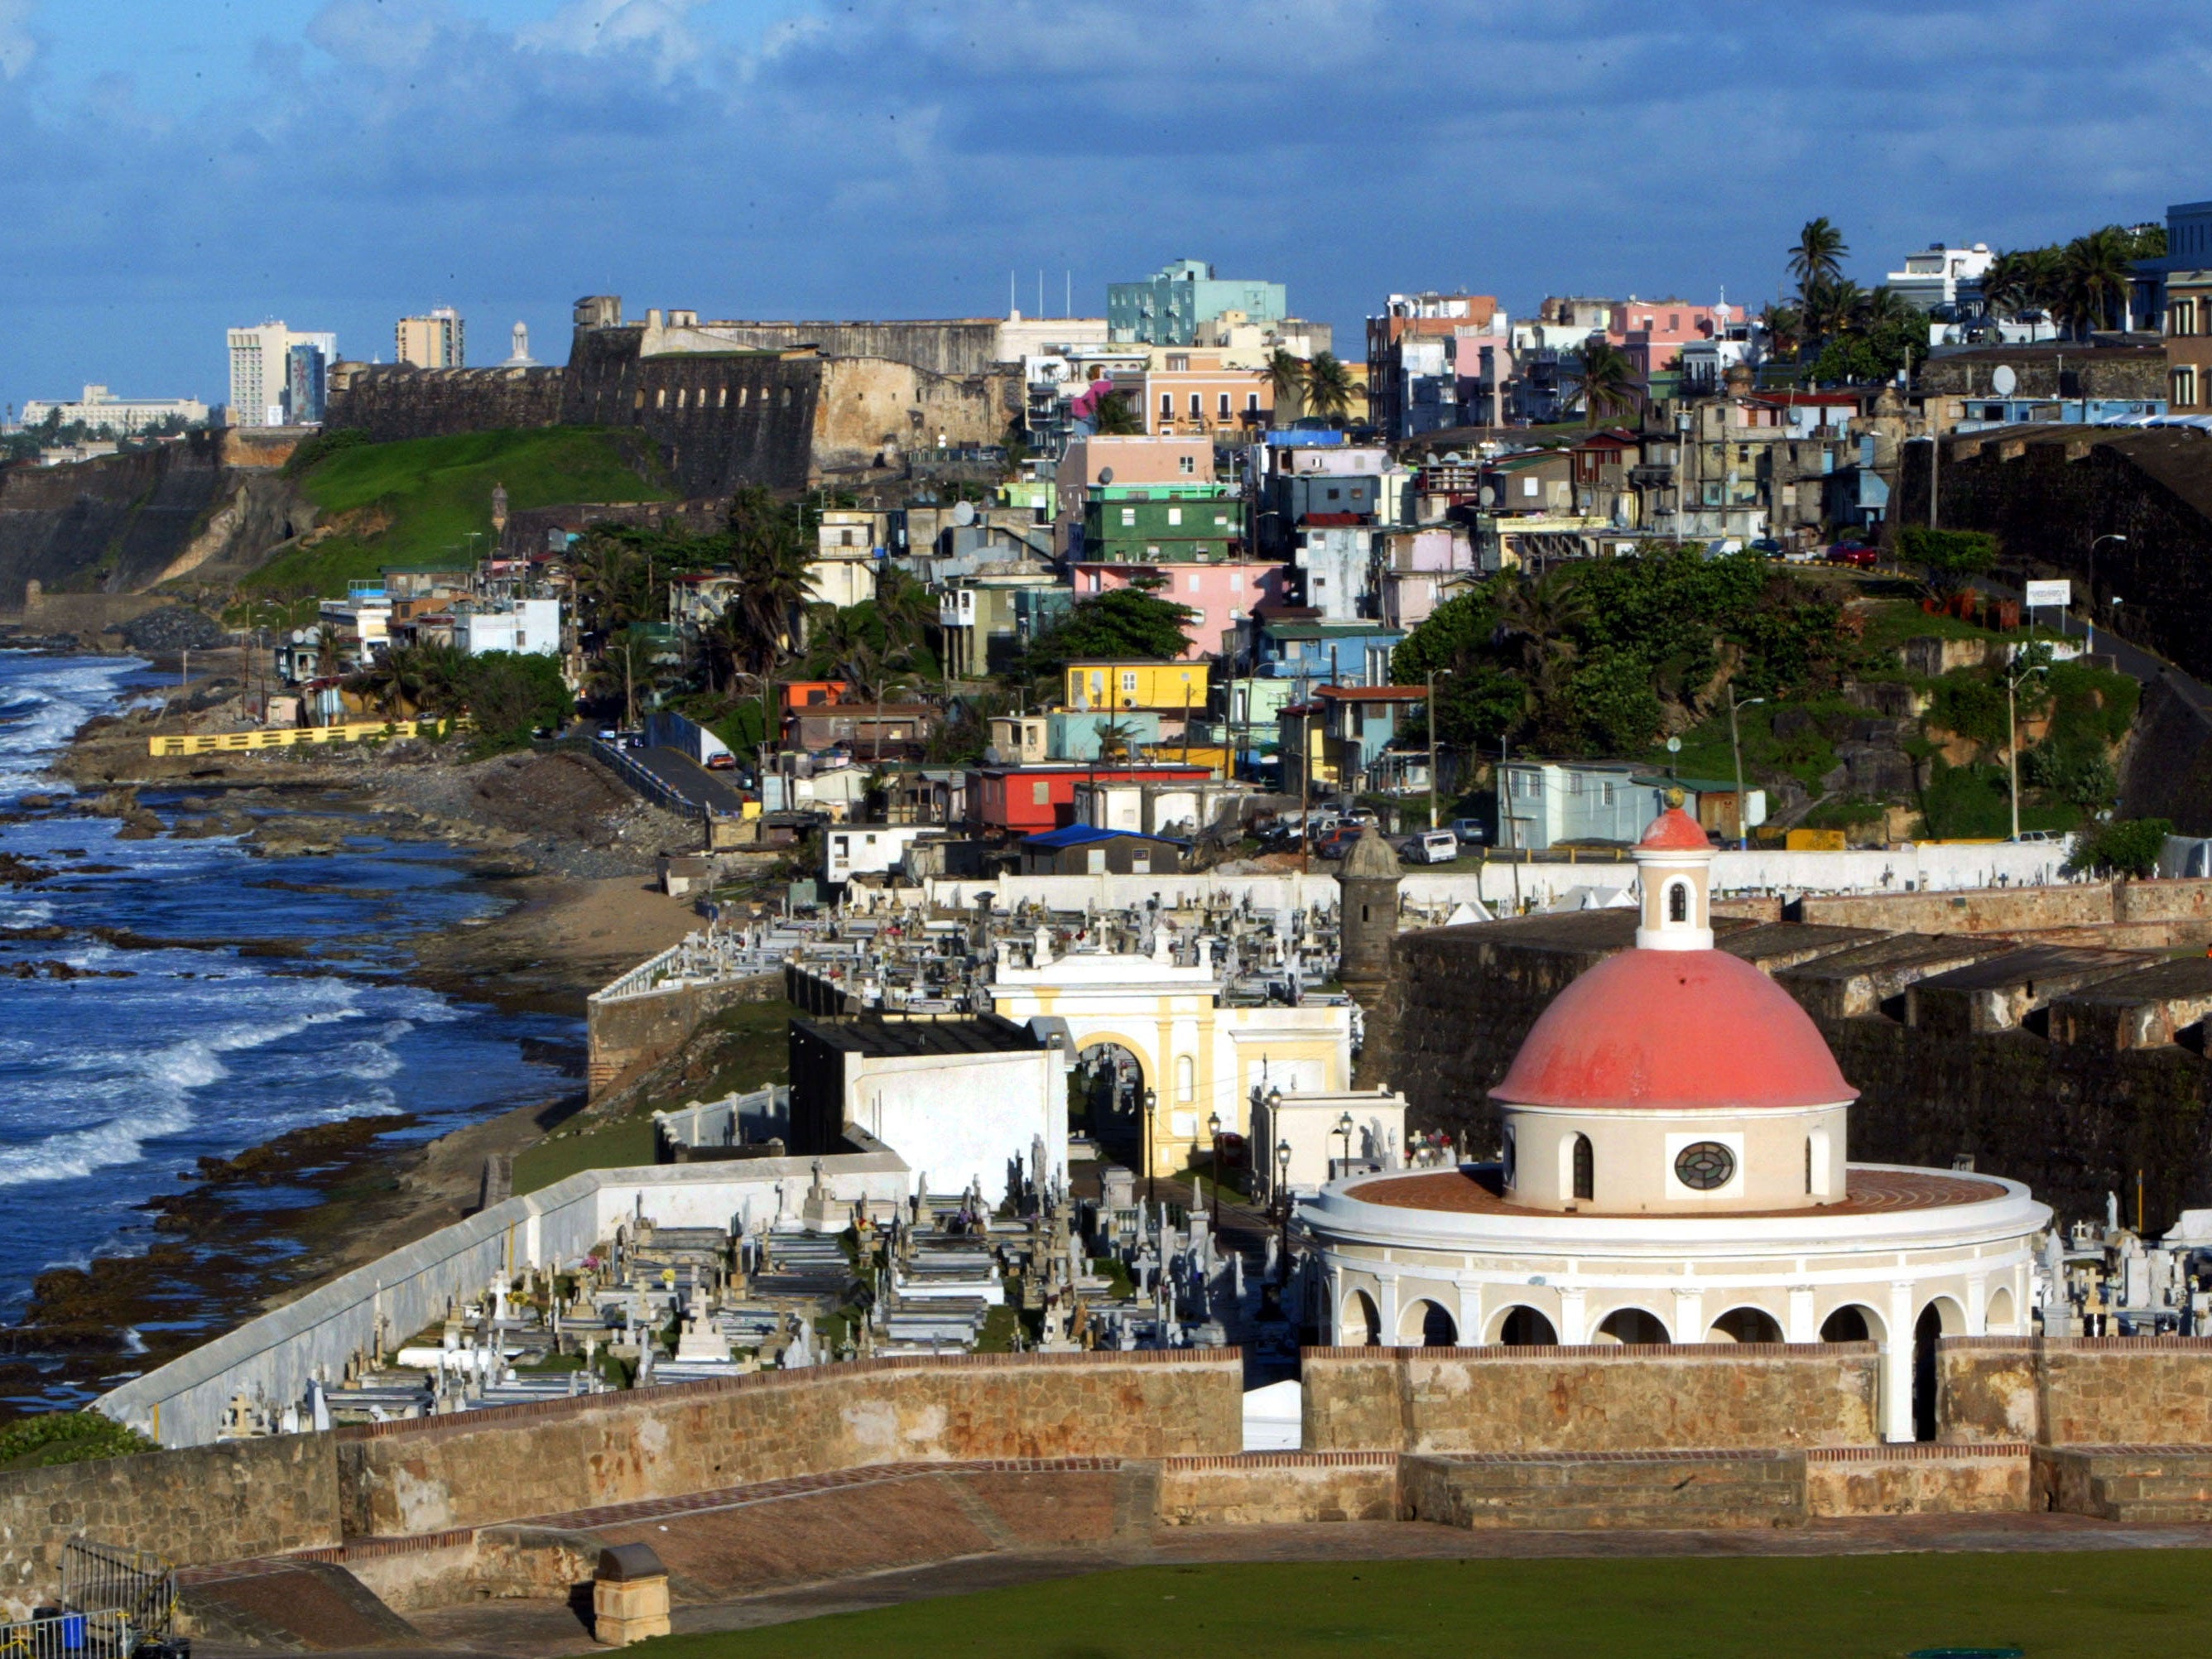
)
(1171, 688)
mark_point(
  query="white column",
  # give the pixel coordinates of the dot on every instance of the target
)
(1386, 1298)
(1897, 1366)
(1690, 1316)
(1572, 1317)
(1470, 1316)
(1800, 1327)
(1334, 1324)
(1977, 1305)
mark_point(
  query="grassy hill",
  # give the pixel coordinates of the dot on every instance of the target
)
(418, 500)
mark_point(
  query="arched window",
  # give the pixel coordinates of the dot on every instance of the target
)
(1585, 1166)
(1678, 902)
(1808, 1166)
(1186, 1079)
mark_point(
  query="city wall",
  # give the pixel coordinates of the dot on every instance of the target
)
(1548, 1398)
(2014, 909)
(622, 1034)
(398, 401)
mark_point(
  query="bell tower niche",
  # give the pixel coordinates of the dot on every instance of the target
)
(1674, 867)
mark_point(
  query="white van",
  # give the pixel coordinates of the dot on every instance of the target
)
(1433, 847)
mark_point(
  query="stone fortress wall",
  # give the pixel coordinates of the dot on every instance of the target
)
(931, 1457)
(727, 404)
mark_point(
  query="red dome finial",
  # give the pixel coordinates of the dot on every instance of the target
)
(1674, 831)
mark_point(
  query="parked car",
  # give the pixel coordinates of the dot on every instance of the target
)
(1430, 846)
(1766, 547)
(1337, 844)
(1857, 555)
(1470, 831)
(722, 761)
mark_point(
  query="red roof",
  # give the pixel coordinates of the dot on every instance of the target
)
(1382, 693)
(1675, 831)
(1673, 1031)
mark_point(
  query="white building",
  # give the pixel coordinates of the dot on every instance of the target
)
(99, 408)
(260, 367)
(1676, 1169)
(870, 849)
(1198, 1055)
(531, 626)
(1942, 276)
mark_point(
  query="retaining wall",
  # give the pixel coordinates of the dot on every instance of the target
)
(622, 1034)
(1272, 1488)
(205, 1503)
(1558, 1398)
(2076, 1391)
(559, 1456)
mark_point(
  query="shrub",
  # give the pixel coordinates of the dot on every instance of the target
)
(67, 1437)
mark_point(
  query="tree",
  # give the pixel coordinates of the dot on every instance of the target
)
(511, 694)
(768, 550)
(1112, 417)
(2095, 275)
(1819, 254)
(2126, 847)
(2008, 286)
(1328, 386)
(628, 663)
(1286, 385)
(1949, 560)
(1785, 327)
(1605, 377)
(1127, 622)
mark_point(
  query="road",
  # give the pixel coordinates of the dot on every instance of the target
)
(685, 775)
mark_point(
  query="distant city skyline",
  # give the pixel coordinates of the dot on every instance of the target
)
(341, 163)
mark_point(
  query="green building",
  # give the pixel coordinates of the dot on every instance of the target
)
(1162, 524)
(1167, 308)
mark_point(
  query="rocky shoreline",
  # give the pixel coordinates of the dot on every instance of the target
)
(572, 855)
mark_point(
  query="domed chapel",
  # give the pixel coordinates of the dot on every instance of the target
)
(1676, 1168)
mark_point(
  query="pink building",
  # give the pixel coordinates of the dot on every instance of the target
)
(1223, 595)
(1130, 460)
(1422, 568)
(1652, 333)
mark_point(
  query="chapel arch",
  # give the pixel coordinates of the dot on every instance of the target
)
(2003, 1313)
(1746, 1325)
(1427, 1324)
(1523, 1327)
(1852, 1323)
(1360, 1325)
(1632, 1325)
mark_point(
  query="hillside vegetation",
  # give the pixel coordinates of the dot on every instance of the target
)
(420, 499)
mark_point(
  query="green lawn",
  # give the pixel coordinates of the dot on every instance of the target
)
(2112, 1604)
(436, 490)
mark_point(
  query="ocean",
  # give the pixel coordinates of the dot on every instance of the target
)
(110, 1087)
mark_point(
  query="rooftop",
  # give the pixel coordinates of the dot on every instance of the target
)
(1478, 1189)
(1090, 835)
(902, 1038)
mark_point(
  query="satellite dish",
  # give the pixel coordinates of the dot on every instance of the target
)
(964, 514)
(1105, 475)
(2004, 381)
(1674, 746)
(1487, 495)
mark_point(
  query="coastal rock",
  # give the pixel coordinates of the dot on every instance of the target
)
(173, 628)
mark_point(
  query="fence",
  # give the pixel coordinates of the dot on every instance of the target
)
(289, 737)
(645, 782)
(115, 1603)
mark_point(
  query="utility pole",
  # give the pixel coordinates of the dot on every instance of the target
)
(1736, 748)
(2013, 681)
(1429, 709)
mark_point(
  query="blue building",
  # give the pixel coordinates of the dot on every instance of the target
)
(1326, 653)
(1168, 307)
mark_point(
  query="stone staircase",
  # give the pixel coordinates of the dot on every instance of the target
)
(2160, 1485)
(1570, 1492)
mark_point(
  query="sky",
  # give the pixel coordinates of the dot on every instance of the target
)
(173, 169)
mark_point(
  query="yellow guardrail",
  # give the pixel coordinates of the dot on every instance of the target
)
(289, 737)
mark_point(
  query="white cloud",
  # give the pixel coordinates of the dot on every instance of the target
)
(658, 29)
(18, 45)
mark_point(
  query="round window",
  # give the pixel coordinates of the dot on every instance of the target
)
(1704, 1166)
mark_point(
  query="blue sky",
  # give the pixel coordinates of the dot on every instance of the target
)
(171, 169)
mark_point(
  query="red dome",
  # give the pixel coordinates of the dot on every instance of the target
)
(1675, 831)
(1673, 1031)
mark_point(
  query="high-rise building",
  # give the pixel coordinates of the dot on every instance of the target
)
(261, 375)
(433, 341)
(1168, 307)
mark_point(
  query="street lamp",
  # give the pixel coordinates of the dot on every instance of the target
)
(1214, 1129)
(1429, 709)
(2014, 680)
(1344, 1126)
(1736, 748)
(2093, 546)
(1283, 1201)
(1152, 1100)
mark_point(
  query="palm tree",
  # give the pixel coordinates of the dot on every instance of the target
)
(1881, 306)
(327, 650)
(391, 679)
(771, 556)
(1785, 328)
(1328, 386)
(1819, 255)
(1112, 417)
(1540, 620)
(1606, 377)
(2096, 274)
(1286, 386)
(2007, 284)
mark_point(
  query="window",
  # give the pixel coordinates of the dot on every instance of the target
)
(1186, 466)
(1129, 682)
(1223, 406)
(1194, 584)
(1174, 515)
(1094, 860)
(1252, 401)
(1040, 794)
(1128, 515)
(1186, 1079)
(1197, 406)
(1585, 1169)
(1704, 1166)
(1167, 405)
(1605, 793)
(2184, 387)
(1678, 901)
(661, 398)
(682, 393)
(1334, 494)
(1527, 486)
